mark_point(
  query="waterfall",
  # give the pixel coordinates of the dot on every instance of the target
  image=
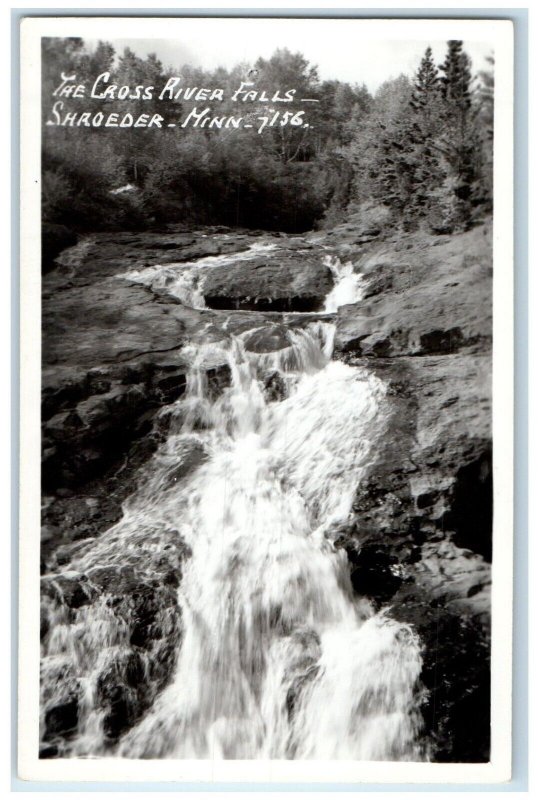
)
(265, 650)
(278, 657)
(279, 660)
(348, 284)
(185, 280)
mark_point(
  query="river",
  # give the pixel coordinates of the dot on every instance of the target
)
(276, 656)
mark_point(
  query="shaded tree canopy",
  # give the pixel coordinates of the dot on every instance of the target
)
(421, 146)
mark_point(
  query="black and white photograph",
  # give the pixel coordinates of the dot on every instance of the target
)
(261, 516)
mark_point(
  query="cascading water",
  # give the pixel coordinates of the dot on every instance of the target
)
(348, 284)
(185, 280)
(278, 658)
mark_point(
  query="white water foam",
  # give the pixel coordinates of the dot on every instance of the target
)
(348, 284)
(279, 660)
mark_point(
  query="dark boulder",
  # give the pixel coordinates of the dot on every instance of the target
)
(121, 692)
(62, 718)
(277, 282)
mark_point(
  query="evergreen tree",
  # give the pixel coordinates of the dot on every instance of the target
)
(456, 79)
(459, 141)
(393, 163)
(426, 92)
(408, 163)
(426, 105)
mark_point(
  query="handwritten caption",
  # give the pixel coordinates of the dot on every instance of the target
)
(199, 116)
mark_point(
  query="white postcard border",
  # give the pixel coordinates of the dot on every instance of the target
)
(31, 768)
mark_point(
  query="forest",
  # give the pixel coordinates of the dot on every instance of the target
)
(420, 146)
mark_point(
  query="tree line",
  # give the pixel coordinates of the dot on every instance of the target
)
(420, 146)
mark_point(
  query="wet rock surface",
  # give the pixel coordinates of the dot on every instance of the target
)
(411, 546)
(420, 536)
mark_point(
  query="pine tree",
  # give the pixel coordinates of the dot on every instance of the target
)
(393, 163)
(456, 79)
(409, 163)
(459, 140)
(426, 92)
(426, 106)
